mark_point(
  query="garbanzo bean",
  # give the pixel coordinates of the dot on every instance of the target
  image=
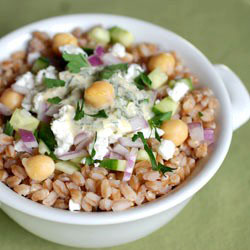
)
(62, 39)
(39, 167)
(163, 61)
(11, 99)
(100, 94)
(175, 130)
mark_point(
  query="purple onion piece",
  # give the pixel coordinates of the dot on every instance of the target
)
(28, 138)
(99, 51)
(95, 60)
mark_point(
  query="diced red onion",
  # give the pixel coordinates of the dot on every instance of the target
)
(53, 109)
(138, 123)
(130, 164)
(127, 142)
(20, 89)
(114, 155)
(41, 113)
(109, 59)
(99, 51)
(209, 135)
(95, 60)
(82, 136)
(28, 138)
(196, 131)
(119, 149)
(20, 147)
(72, 155)
(5, 110)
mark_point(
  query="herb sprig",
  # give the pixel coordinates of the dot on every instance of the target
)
(110, 70)
(8, 129)
(53, 83)
(75, 62)
(79, 110)
(54, 100)
(142, 81)
(155, 166)
(89, 159)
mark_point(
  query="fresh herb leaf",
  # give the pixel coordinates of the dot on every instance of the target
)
(200, 114)
(79, 111)
(110, 70)
(100, 114)
(46, 135)
(89, 51)
(40, 63)
(144, 100)
(89, 160)
(75, 62)
(8, 129)
(157, 136)
(53, 83)
(54, 100)
(157, 120)
(156, 167)
(142, 81)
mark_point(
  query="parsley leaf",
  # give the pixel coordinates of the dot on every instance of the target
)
(142, 80)
(79, 111)
(110, 70)
(8, 129)
(54, 100)
(157, 120)
(89, 160)
(75, 62)
(157, 136)
(200, 114)
(89, 51)
(156, 167)
(100, 114)
(52, 83)
(46, 135)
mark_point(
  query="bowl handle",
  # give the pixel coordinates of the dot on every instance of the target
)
(238, 94)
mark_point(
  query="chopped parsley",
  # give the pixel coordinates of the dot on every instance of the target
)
(100, 114)
(46, 135)
(79, 110)
(89, 159)
(144, 100)
(75, 62)
(89, 51)
(200, 114)
(8, 129)
(157, 120)
(110, 70)
(157, 136)
(54, 100)
(155, 166)
(142, 81)
(53, 83)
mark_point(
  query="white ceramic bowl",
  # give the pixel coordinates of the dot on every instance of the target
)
(114, 228)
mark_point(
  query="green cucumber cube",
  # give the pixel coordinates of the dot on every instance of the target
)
(114, 164)
(100, 35)
(119, 35)
(158, 78)
(40, 63)
(166, 105)
(67, 167)
(142, 155)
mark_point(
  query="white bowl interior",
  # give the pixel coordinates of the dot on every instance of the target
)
(167, 40)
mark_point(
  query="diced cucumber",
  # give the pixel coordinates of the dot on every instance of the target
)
(114, 164)
(100, 35)
(187, 81)
(142, 155)
(119, 35)
(40, 63)
(165, 105)
(77, 160)
(24, 120)
(67, 167)
(42, 148)
(158, 78)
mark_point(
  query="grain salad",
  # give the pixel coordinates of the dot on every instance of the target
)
(92, 121)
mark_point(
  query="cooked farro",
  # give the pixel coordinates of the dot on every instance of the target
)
(85, 179)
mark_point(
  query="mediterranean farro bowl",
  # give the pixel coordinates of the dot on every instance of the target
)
(81, 228)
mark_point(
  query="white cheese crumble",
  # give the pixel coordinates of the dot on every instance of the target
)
(73, 206)
(118, 50)
(72, 49)
(179, 90)
(26, 80)
(32, 57)
(134, 70)
(49, 72)
(166, 149)
(148, 133)
(64, 129)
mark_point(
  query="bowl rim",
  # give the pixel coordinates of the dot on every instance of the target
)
(11, 199)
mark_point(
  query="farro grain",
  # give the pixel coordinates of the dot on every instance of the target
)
(134, 183)
(10, 151)
(116, 194)
(3, 175)
(78, 178)
(127, 191)
(60, 188)
(105, 204)
(50, 199)
(201, 151)
(13, 181)
(106, 189)
(150, 196)
(92, 199)
(86, 206)
(90, 185)
(121, 205)
(60, 203)
(153, 185)
(5, 139)
(35, 187)
(22, 189)
(40, 195)
(151, 176)
(18, 171)
(47, 184)
(76, 195)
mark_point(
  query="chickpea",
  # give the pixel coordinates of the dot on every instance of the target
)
(164, 61)
(11, 99)
(61, 39)
(176, 131)
(39, 167)
(100, 94)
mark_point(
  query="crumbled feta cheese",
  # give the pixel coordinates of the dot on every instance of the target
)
(64, 129)
(32, 57)
(131, 109)
(26, 80)
(179, 90)
(149, 133)
(50, 72)
(133, 71)
(118, 50)
(38, 99)
(166, 149)
(72, 49)
(73, 206)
